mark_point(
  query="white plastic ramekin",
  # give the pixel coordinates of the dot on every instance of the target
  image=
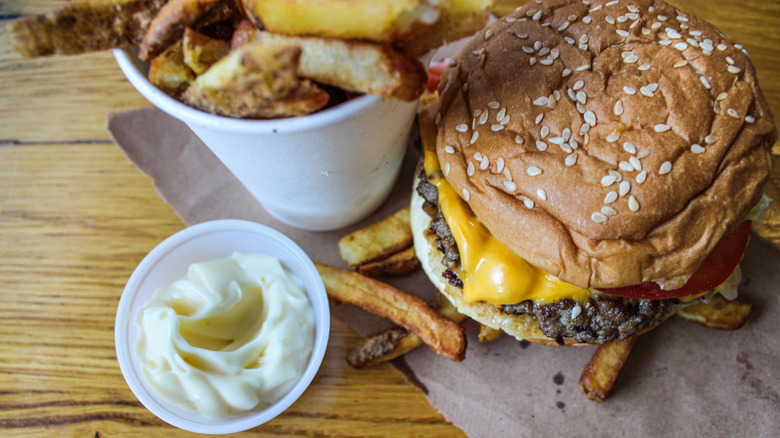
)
(167, 263)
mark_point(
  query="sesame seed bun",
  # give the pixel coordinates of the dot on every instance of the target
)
(616, 143)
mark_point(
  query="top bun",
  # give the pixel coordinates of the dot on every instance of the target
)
(609, 143)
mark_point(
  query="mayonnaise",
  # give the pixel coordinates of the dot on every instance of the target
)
(235, 335)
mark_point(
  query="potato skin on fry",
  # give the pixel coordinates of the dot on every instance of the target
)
(169, 72)
(255, 81)
(83, 26)
(441, 334)
(168, 26)
(400, 263)
(201, 52)
(378, 240)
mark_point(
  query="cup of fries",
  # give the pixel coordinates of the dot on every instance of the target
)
(321, 171)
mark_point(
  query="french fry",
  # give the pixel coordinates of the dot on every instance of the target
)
(169, 72)
(355, 66)
(395, 341)
(255, 81)
(83, 26)
(378, 240)
(487, 334)
(400, 263)
(169, 24)
(718, 313)
(201, 52)
(461, 19)
(377, 20)
(441, 334)
(599, 376)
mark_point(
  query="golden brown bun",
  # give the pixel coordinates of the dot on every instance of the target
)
(520, 326)
(662, 86)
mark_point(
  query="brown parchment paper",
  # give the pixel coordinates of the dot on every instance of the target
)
(681, 379)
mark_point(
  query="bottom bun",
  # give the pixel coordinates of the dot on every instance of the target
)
(522, 327)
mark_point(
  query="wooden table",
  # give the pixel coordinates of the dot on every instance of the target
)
(76, 217)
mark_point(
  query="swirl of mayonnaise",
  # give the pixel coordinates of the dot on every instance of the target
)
(235, 335)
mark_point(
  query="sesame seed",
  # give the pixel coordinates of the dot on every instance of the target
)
(519, 140)
(633, 204)
(656, 25)
(470, 169)
(494, 104)
(635, 163)
(466, 195)
(641, 177)
(618, 176)
(629, 147)
(478, 156)
(522, 36)
(587, 20)
(618, 109)
(665, 42)
(608, 211)
(733, 113)
(680, 46)
(556, 140)
(608, 180)
(750, 119)
(474, 137)
(630, 59)
(563, 26)
(622, 33)
(632, 15)
(505, 120)
(533, 171)
(611, 197)
(532, 61)
(644, 67)
(738, 46)
(673, 34)
(629, 90)
(544, 131)
(583, 67)
(529, 204)
(646, 92)
(483, 118)
(705, 82)
(537, 16)
(578, 85)
(665, 168)
(569, 40)
(570, 160)
(501, 114)
(613, 137)
(510, 19)
(496, 128)
(462, 127)
(580, 108)
(662, 127)
(584, 128)
(437, 119)
(722, 96)
(632, 8)
(697, 148)
(499, 165)
(643, 153)
(539, 118)
(722, 47)
(582, 97)
(624, 188)
(692, 42)
(653, 87)
(449, 149)
(595, 8)
(446, 169)
(584, 38)
(541, 101)
(598, 217)
(710, 139)
(566, 72)
(488, 34)
(645, 31)
(679, 64)
(571, 94)
(682, 18)
(573, 144)
(612, 3)
(542, 146)
(734, 69)
(543, 51)
(610, 19)
(541, 194)
(663, 17)
(625, 166)
(510, 186)
(590, 118)
(546, 61)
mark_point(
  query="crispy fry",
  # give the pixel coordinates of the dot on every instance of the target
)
(376, 20)
(487, 334)
(395, 341)
(83, 26)
(169, 72)
(353, 65)
(378, 240)
(599, 376)
(718, 313)
(461, 19)
(255, 81)
(169, 24)
(201, 52)
(441, 334)
(400, 263)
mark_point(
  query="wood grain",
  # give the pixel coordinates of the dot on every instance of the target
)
(76, 217)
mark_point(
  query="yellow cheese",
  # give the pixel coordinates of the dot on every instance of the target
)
(489, 270)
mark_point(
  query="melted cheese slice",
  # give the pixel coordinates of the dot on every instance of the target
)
(489, 270)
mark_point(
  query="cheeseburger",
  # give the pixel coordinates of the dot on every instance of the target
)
(590, 167)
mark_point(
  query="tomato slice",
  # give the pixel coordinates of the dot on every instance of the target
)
(435, 72)
(716, 269)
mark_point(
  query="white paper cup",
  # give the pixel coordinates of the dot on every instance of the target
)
(167, 263)
(318, 172)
